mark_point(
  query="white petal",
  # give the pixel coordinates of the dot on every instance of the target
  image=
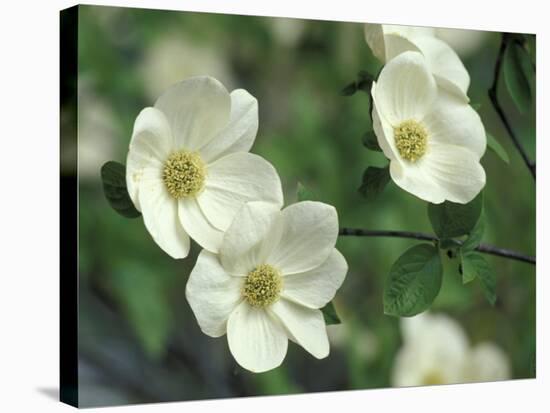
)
(456, 123)
(315, 288)
(415, 179)
(212, 294)
(406, 89)
(383, 130)
(196, 109)
(197, 225)
(445, 172)
(249, 238)
(410, 32)
(151, 143)
(399, 39)
(235, 179)
(239, 134)
(257, 340)
(308, 232)
(397, 44)
(445, 64)
(456, 171)
(374, 36)
(387, 41)
(160, 215)
(306, 326)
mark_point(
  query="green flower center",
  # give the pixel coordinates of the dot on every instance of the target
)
(184, 174)
(410, 139)
(262, 286)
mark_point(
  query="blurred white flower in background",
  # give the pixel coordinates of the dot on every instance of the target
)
(358, 338)
(173, 57)
(487, 362)
(287, 32)
(189, 169)
(436, 350)
(97, 132)
(433, 139)
(274, 272)
(464, 42)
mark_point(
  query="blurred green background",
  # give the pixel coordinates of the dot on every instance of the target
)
(138, 339)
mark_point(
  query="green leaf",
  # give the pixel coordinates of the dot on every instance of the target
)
(474, 265)
(370, 141)
(497, 148)
(363, 82)
(450, 220)
(476, 106)
(113, 175)
(475, 236)
(374, 181)
(413, 282)
(329, 313)
(517, 69)
(349, 89)
(304, 194)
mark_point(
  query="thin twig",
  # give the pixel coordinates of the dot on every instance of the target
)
(484, 248)
(494, 100)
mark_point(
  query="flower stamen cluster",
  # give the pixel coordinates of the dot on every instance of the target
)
(262, 286)
(410, 139)
(184, 174)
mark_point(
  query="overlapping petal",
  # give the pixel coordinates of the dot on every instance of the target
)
(306, 326)
(249, 238)
(445, 65)
(239, 134)
(256, 339)
(406, 89)
(150, 144)
(235, 179)
(317, 287)
(307, 233)
(212, 294)
(160, 215)
(453, 122)
(197, 225)
(197, 109)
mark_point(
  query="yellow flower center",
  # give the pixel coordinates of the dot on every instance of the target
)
(410, 139)
(184, 174)
(262, 286)
(433, 378)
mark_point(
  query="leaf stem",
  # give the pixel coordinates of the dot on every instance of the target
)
(484, 248)
(494, 100)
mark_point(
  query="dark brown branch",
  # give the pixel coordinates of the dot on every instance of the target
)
(484, 248)
(494, 100)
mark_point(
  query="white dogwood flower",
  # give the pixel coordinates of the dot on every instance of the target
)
(436, 351)
(274, 271)
(487, 362)
(389, 41)
(433, 139)
(188, 166)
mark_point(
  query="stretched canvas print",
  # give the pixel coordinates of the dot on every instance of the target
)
(261, 206)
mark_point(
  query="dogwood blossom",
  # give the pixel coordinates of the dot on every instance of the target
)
(188, 166)
(274, 272)
(389, 41)
(433, 139)
(436, 350)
